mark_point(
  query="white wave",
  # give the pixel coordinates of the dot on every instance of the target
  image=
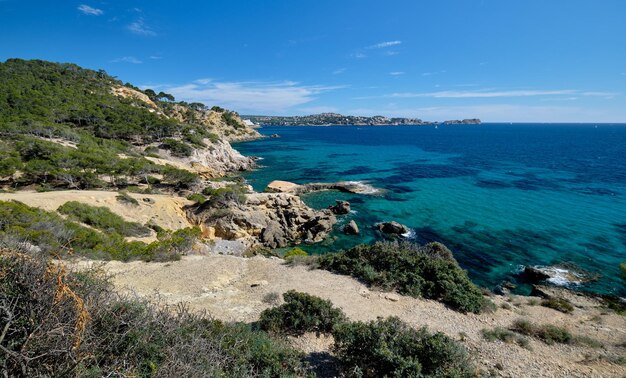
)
(409, 234)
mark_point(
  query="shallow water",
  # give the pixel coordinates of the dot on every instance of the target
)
(500, 196)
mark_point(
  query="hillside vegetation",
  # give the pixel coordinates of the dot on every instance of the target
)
(62, 126)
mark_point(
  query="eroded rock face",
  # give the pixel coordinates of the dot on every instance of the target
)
(274, 220)
(340, 208)
(351, 228)
(392, 227)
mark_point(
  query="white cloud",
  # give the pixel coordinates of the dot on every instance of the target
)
(86, 9)
(139, 27)
(391, 53)
(396, 73)
(127, 59)
(493, 94)
(499, 113)
(383, 45)
(155, 57)
(339, 71)
(433, 73)
(359, 55)
(318, 109)
(267, 97)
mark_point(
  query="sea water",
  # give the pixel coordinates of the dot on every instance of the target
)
(500, 196)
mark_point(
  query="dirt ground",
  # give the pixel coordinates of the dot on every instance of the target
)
(238, 289)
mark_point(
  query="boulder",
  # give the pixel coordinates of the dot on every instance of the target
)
(351, 228)
(340, 208)
(392, 227)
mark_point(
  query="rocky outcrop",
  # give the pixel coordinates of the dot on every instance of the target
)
(340, 208)
(274, 220)
(355, 187)
(561, 275)
(468, 121)
(216, 160)
(351, 228)
(393, 228)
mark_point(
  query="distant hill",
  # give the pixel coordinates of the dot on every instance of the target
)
(328, 119)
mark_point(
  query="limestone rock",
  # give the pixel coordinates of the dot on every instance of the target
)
(392, 227)
(340, 208)
(351, 228)
(274, 220)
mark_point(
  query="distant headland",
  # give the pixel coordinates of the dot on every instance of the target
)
(334, 119)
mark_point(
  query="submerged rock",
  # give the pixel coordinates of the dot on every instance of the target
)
(392, 227)
(351, 228)
(340, 208)
(560, 275)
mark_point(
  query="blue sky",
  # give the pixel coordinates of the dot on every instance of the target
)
(499, 60)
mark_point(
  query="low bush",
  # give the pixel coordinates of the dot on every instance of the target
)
(506, 336)
(197, 198)
(126, 199)
(547, 333)
(428, 271)
(301, 313)
(36, 231)
(177, 148)
(59, 324)
(295, 252)
(103, 219)
(222, 197)
(390, 348)
(559, 304)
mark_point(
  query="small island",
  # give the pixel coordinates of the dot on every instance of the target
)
(334, 119)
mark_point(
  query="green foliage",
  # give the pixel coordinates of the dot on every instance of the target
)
(177, 148)
(126, 199)
(506, 336)
(180, 178)
(102, 218)
(197, 198)
(93, 332)
(30, 230)
(230, 118)
(548, 333)
(222, 197)
(427, 271)
(301, 313)
(622, 268)
(171, 245)
(559, 304)
(390, 348)
(295, 252)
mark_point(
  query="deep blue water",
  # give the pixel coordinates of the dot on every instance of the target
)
(500, 196)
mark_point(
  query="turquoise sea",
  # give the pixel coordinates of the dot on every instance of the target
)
(501, 196)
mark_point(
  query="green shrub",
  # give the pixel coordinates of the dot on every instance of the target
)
(427, 271)
(295, 252)
(102, 218)
(301, 313)
(90, 331)
(197, 198)
(559, 304)
(548, 333)
(622, 268)
(32, 230)
(390, 348)
(126, 199)
(506, 336)
(222, 197)
(177, 148)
